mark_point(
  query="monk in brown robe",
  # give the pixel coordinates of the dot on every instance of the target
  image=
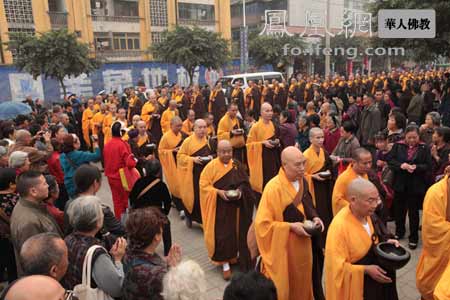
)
(190, 165)
(217, 103)
(223, 215)
(237, 97)
(263, 149)
(267, 92)
(197, 102)
(231, 129)
(283, 243)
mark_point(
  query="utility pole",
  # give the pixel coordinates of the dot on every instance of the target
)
(244, 41)
(327, 40)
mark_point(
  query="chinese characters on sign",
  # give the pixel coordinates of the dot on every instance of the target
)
(352, 23)
(407, 23)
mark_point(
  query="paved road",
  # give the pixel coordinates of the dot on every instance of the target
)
(194, 248)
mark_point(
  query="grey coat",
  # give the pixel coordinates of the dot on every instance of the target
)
(369, 125)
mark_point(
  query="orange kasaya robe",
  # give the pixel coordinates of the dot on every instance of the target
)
(86, 126)
(170, 141)
(166, 117)
(213, 172)
(314, 163)
(163, 101)
(185, 167)
(259, 132)
(436, 239)
(187, 127)
(442, 290)
(146, 114)
(97, 122)
(347, 242)
(211, 131)
(107, 123)
(339, 199)
(286, 257)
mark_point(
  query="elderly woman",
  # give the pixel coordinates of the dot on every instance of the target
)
(19, 161)
(72, 158)
(86, 218)
(144, 268)
(395, 126)
(185, 281)
(3, 157)
(410, 160)
(288, 131)
(432, 121)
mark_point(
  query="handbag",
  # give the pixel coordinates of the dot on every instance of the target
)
(84, 291)
(387, 176)
(128, 177)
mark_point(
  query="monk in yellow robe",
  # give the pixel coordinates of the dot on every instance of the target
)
(86, 125)
(134, 121)
(284, 245)
(222, 216)
(351, 270)
(188, 124)
(189, 166)
(442, 290)
(97, 124)
(436, 238)
(217, 103)
(108, 121)
(183, 102)
(167, 115)
(237, 97)
(167, 149)
(163, 99)
(197, 102)
(151, 114)
(210, 128)
(263, 150)
(362, 162)
(231, 129)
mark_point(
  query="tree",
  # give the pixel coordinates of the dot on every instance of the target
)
(191, 48)
(422, 50)
(274, 50)
(54, 54)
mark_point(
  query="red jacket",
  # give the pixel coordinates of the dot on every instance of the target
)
(54, 167)
(117, 154)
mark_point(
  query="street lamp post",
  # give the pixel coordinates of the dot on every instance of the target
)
(244, 41)
(327, 40)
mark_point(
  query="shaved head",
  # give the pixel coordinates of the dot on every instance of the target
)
(175, 120)
(358, 187)
(224, 151)
(293, 163)
(223, 144)
(36, 287)
(266, 105)
(200, 128)
(315, 131)
(363, 197)
(199, 122)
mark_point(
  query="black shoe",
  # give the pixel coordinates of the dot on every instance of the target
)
(398, 236)
(188, 222)
(412, 245)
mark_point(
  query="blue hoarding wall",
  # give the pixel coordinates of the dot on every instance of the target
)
(15, 85)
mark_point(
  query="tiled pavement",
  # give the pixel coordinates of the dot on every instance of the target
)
(194, 248)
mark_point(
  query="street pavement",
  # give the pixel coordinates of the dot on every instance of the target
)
(194, 248)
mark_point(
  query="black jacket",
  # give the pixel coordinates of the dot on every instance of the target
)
(157, 196)
(412, 183)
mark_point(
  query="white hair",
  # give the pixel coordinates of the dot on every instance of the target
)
(84, 213)
(184, 282)
(17, 159)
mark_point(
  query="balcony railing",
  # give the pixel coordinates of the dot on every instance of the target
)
(123, 19)
(58, 19)
(196, 22)
(120, 55)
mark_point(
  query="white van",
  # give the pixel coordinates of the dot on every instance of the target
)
(228, 81)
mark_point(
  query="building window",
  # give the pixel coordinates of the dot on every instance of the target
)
(102, 41)
(158, 13)
(18, 11)
(126, 41)
(126, 8)
(196, 12)
(157, 37)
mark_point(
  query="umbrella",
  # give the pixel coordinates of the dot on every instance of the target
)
(10, 110)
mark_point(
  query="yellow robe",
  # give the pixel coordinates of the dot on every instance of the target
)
(347, 242)
(97, 122)
(187, 127)
(166, 118)
(107, 123)
(313, 165)
(339, 199)
(213, 172)
(86, 125)
(226, 125)
(146, 114)
(168, 142)
(286, 257)
(211, 130)
(258, 133)
(185, 167)
(436, 239)
(163, 101)
(442, 290)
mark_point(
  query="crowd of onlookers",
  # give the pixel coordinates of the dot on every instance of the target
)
(50, 173)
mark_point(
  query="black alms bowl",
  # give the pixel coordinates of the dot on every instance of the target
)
(391, 257)
(312, 228)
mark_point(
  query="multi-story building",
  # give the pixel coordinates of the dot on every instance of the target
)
(116, 30)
